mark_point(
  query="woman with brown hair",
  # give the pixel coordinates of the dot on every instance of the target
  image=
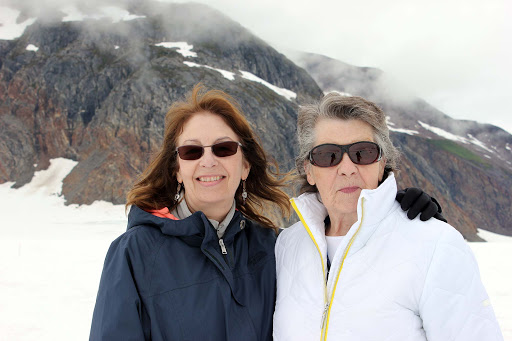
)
(197, 261)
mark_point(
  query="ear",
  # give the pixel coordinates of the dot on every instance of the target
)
(309, 175)
(382, 166)
(246, 168)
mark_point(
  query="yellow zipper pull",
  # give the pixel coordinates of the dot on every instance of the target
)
(324, 315)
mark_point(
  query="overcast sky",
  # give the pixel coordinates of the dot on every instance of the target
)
(457, 55)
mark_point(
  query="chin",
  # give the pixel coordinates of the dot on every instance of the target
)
(348, 206)
(212, 202)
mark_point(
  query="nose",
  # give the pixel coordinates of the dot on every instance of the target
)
(346, 166)
(208, 159)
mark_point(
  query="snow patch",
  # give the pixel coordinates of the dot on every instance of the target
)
(479, 143)
(9, 29)
(493, 237)
(130, 17)
(73, 14)
(288, 94)
(508, 148)
(450, 136)
(183, 48)
(32, 47)
(49, 182)
(42, 205)
(116, 14)
(404, 131)
(443, 133)
(227, 74)
(116, 47)
(487, 156)
(399, 130)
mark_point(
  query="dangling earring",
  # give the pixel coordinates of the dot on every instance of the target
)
(244, 192)
(178, 191)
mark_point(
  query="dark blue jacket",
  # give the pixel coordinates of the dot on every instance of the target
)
(167, 279)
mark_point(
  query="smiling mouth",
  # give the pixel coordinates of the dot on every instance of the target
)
(209, 178)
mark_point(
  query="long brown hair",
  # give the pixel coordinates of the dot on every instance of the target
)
(157, 185)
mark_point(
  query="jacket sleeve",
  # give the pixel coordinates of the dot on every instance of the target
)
(454, 304)
(118, 311)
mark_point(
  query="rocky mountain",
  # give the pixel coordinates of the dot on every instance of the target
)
(96, 90)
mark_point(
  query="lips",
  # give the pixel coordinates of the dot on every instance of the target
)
(349, 190)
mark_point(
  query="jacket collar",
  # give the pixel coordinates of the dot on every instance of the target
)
(195, 230)
(372, 207)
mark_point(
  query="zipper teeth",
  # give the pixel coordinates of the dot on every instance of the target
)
(326, 301)
(341, 267)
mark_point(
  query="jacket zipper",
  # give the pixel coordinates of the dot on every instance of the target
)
(347, 249)
(324, 315)
(328, 303)
(224, 250)
(223, 247)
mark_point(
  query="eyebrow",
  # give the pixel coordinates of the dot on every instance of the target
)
(195, 141)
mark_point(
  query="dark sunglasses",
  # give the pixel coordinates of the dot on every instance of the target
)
(360, 153)
(221, 149)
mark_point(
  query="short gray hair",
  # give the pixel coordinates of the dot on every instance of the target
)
(337, 106)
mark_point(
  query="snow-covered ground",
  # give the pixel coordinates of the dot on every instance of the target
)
(51, 256)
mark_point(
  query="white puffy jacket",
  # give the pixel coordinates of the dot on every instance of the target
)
(391, 278)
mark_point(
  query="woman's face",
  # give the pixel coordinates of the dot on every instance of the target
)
(211, 181)
(339, 186)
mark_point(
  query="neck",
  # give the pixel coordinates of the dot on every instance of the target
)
(217, 212)
(340, 224)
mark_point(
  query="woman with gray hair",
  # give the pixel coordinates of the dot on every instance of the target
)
(354, 267)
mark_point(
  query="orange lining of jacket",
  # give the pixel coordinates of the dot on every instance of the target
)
(163, 213)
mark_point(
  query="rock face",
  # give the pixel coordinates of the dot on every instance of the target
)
(97, 92)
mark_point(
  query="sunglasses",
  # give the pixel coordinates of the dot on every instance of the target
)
(221, 149)
(360, 153)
